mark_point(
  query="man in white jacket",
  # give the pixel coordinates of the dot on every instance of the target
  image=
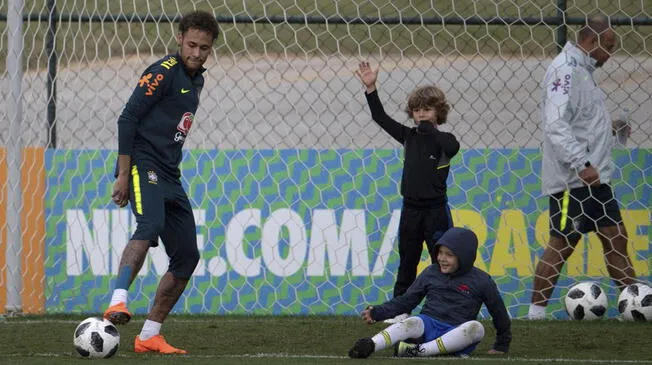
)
(577, 163)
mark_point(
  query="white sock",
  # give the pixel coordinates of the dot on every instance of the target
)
(454, 340)
(536, 312)
(119, 295)
(150, 329)
(411, 327)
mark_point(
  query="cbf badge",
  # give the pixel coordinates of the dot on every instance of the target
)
(151, 177)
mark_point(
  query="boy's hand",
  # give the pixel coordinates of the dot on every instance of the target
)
(495, 352)
(367, 75)
(366, 315)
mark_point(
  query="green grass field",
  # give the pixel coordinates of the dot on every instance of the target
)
(319, 340)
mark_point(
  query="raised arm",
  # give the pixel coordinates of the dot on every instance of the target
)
(368, 77)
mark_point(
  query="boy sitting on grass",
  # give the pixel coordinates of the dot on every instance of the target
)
(454, 290)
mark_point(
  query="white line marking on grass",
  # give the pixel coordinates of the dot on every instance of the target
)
(496, 359)
(291, 356)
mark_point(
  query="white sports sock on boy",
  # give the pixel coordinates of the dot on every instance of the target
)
(454, 340)
(408, 328)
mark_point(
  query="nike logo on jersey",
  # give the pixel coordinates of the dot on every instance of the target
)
(185, 91)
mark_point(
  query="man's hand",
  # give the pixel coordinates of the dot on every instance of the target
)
(366, 315)
(120, 193)
(495, 352)
(367, 75)
(590, 176)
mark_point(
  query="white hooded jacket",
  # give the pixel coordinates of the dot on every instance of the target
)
(575, 121)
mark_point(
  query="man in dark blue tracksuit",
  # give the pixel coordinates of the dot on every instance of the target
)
(455, 291)
(152, 130)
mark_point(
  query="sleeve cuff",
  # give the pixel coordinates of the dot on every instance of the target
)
(580, 164)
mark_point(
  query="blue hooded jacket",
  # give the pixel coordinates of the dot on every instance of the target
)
(457, 297)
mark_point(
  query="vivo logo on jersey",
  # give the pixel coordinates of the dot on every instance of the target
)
(184, 126)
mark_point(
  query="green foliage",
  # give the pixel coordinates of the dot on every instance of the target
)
(285, 340)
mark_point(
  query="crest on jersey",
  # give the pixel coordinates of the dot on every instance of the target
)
(152, 178)
(185, 123)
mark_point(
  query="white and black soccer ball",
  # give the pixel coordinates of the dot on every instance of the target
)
(635, 303)
(586, 301)
(96, 338)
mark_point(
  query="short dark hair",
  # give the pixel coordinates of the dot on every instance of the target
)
(594, 27)
(200, 20)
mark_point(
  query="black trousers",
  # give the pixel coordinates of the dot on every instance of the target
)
(416, 226)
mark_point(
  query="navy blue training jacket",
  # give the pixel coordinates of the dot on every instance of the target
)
(157, 118)
(454, 298)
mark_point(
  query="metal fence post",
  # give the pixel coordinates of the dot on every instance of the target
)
(51, 51)
(14, 103)
(561, 29)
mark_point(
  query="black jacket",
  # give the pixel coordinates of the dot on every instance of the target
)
(428, 153)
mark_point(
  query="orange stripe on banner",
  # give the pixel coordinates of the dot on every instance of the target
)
(33, 227)
(3, 227)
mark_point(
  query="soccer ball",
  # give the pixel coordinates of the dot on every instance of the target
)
(586, 301)
(635, 303)
(96, 338)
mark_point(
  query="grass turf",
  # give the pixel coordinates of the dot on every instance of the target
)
(290, 340)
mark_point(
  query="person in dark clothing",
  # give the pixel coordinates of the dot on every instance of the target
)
(455, 291)
(425, 214)
(151, 132)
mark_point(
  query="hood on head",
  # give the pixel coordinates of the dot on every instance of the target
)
(464, 244)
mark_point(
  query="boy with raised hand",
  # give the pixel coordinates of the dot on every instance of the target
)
(425, 214)
(455, 291)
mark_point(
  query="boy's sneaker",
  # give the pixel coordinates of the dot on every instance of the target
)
(156, 344)
(397, 319)
(118, 313)
(404, 349)
(362, 348)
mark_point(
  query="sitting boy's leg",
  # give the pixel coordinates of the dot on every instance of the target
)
(459, 338)
(409, 328)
